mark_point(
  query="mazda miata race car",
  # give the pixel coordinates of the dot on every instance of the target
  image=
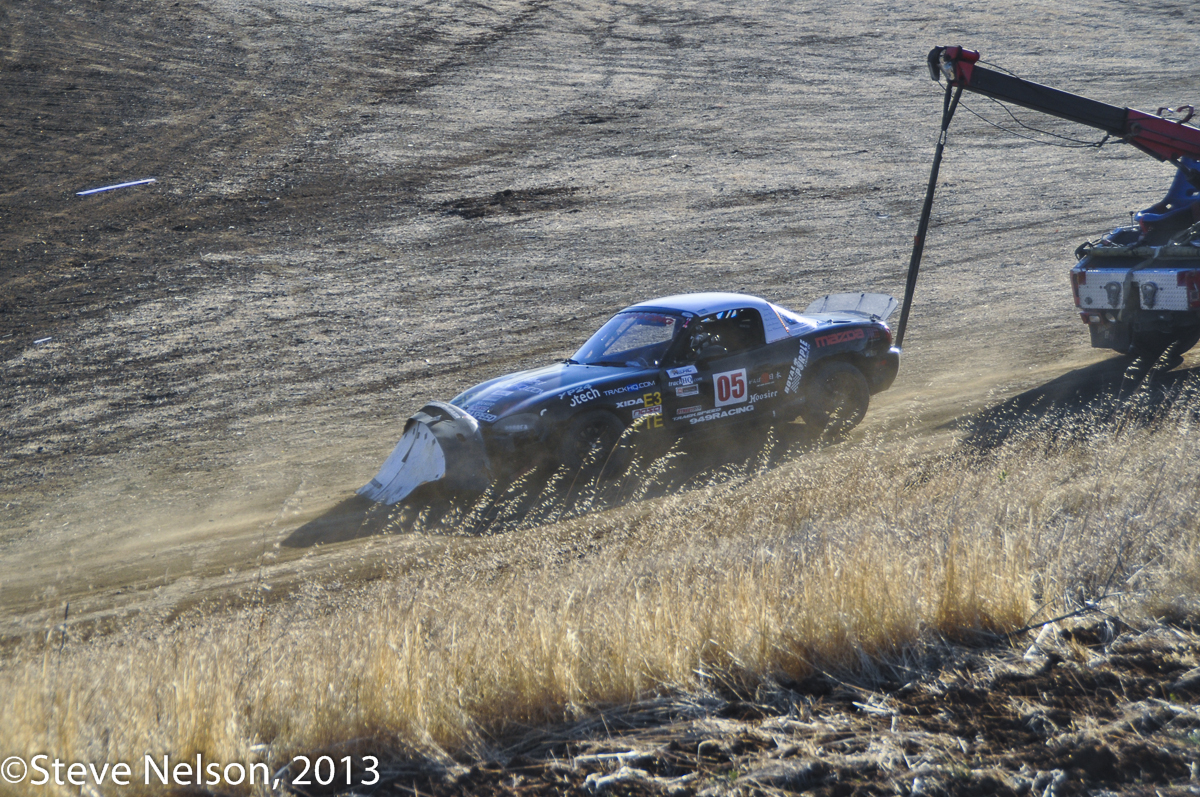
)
(665, 366)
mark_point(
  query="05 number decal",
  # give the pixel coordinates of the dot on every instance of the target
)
(730, 387)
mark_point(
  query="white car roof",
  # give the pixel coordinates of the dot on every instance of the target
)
(774, 327)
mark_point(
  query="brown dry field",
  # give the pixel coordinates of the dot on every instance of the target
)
(363, 205)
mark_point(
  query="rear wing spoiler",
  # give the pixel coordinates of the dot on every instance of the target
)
(878, 306)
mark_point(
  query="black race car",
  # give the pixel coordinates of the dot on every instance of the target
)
(666, 366)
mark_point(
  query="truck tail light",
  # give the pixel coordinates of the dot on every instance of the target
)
(1190, 282)
(1077, 278)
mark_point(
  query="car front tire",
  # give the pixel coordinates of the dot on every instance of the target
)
(592, 444)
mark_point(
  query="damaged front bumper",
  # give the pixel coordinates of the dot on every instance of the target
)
(441, 443)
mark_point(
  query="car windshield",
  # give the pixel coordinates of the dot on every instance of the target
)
(634, 339)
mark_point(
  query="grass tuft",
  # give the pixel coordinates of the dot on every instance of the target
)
(848, 560)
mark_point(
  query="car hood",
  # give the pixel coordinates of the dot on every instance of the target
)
(526, 390)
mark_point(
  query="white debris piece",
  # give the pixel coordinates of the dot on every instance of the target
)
(415, 460)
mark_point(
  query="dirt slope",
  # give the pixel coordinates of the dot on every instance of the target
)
(361, 205)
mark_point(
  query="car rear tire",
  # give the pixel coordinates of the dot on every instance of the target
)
(592, 444)
(838, 397)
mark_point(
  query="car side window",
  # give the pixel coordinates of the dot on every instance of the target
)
(724, 333)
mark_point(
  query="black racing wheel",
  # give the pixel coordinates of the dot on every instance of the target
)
(592, 444)
(838, 396)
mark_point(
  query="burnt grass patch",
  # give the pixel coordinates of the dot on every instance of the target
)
(514, 202)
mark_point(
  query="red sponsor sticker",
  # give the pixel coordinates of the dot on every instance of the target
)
(839, 337)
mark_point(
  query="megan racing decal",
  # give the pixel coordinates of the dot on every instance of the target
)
(687, 390)
(481, 413)
(798, 364)
(844, 336)
(713, 415)
(730, 387)
(682, 371)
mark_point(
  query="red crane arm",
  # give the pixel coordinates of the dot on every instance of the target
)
(1162, 138)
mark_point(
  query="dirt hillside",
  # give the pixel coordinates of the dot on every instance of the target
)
(361, 205)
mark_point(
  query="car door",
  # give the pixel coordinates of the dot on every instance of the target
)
(736, 375)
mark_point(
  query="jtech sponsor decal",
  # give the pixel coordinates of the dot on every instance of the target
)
(730, 387)
(685, 370)
(845, 336)
(584, 396)
(713, 415)
(798, 365)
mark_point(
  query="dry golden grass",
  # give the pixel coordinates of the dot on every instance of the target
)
(853, 558)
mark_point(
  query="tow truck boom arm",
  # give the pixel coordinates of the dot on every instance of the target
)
(1162, 138)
